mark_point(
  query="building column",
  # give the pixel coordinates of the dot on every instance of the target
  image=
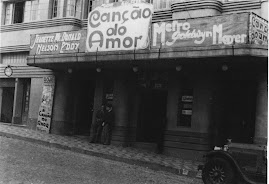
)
(98, 94)
(61, 115)
(121, 100)
(122, 132)
(260, 136)
(35, 100)
(1, 96)
(18, 100)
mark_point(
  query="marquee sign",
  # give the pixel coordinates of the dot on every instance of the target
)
(218, 30)
(119, 26)
(58, 43)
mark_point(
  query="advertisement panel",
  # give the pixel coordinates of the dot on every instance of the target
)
(185, 106)
(58, 43)
(206, 31)
(45, 109)
(258, 30)
(119, 26)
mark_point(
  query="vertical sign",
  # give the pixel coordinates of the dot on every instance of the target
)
(258, 30)
(45, 109)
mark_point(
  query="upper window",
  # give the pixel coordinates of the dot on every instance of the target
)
(32, 10)
(55, 7)
(18, 12)
(96, 3)
(8, 15)
(158, 4)
(14, 13)
(74, 8)
(23, 11)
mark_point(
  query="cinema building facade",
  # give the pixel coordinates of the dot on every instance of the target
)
(183, 79)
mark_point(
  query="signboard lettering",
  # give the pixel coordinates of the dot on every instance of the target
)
(186, 98)
(258, 30)
(219, 30)
(55, 43)
(124, 27)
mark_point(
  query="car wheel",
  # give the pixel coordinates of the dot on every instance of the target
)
(218, 171)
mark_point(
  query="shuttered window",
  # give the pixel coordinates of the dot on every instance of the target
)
(14, 12)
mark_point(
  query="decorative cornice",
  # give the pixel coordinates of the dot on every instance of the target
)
(196, 5)
(25, 71)
(240, 6)
(42, 24)
(217, 5)
(162, 15)
(84, 22)
(17, 48)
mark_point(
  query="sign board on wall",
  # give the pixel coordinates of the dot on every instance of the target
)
(185, 106)
(258, 30)
(206, 31)
(58, 43)
(119, 26)
(45, 109)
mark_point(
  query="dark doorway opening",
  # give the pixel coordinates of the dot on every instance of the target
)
(83, 106)
(235, 107)
(7, 104)
(152, 116)
(25, 100)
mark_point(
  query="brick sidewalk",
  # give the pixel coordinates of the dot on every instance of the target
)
(124, 154)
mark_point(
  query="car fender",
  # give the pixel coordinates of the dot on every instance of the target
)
(227, 156)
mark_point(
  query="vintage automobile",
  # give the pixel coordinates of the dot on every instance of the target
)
(235, 163)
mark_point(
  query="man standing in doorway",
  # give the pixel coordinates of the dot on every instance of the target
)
(97, 126)
(108, 123)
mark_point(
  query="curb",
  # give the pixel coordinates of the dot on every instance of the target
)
(145, 164)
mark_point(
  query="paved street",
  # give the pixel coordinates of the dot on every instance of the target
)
(28, 163)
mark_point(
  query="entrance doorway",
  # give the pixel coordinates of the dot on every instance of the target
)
(25, 100)
(152, 116)
(83, 106)
(6, 110)
(235, 111)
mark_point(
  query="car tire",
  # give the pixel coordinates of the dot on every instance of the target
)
(218, 171)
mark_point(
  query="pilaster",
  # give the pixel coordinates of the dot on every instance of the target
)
(260, 136)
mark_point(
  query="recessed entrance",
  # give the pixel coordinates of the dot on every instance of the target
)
(6, 104)
(152, 116)
(83, 106)
(235, 111)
